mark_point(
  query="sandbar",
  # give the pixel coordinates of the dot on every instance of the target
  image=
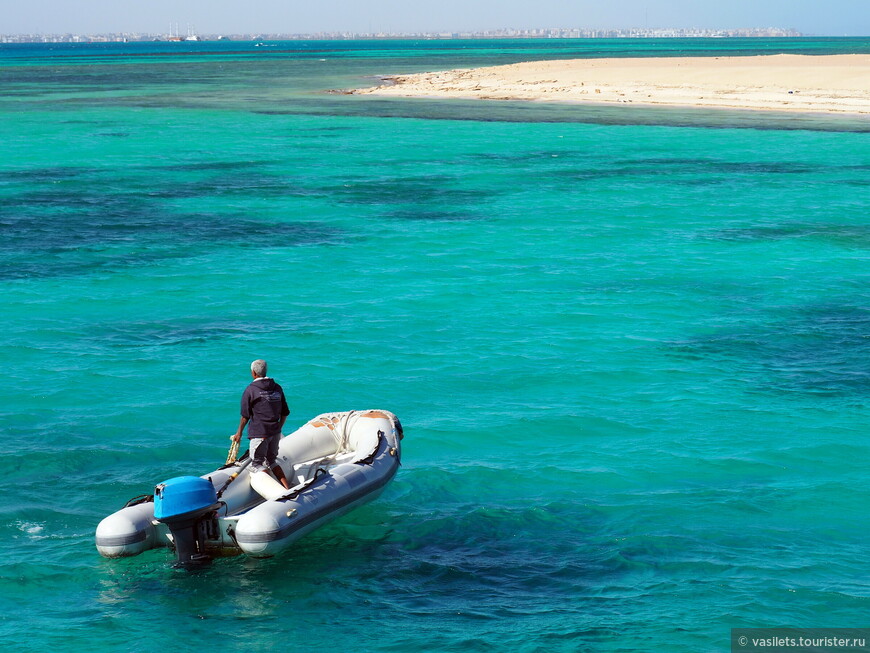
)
(781, 82)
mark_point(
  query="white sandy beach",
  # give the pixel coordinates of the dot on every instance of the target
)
(783, 82)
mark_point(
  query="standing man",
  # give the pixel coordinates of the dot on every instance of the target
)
(265, 409)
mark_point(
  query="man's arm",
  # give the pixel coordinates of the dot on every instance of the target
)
(285, 411)
(238, 435)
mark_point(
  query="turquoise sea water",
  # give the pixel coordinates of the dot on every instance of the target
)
(629, 348)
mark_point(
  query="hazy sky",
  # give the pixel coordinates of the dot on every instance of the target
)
(829, 17)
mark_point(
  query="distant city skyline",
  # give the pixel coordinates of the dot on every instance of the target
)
(535, 33)
(550, 33)
(833, 18)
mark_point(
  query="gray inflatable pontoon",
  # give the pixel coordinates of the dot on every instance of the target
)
(338, 462)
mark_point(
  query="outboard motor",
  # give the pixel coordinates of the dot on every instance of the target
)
(187, 504)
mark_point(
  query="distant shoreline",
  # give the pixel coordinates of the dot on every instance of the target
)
(782, 82)
(495, 34)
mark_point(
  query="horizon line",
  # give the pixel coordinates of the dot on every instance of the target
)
(502, 32)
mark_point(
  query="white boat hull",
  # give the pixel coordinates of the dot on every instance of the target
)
(339, 461)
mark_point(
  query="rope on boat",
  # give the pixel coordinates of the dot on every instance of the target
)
(234, 452)
(340, 426)
(237, 461)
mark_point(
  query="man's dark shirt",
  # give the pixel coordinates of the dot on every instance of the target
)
(263, 403)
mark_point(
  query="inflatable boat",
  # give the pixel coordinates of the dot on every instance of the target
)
(338, 461)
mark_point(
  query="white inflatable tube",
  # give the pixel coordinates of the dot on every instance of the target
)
(337, 462)
(270, 527)
(128, 532)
